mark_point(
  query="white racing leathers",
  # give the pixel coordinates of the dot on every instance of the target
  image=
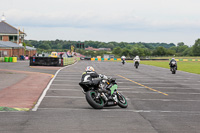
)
(136, 59)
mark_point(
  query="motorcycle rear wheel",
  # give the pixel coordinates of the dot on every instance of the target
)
(173, 70)
(91, 99)
(122, 101)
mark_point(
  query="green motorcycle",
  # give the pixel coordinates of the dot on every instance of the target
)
(103, 92)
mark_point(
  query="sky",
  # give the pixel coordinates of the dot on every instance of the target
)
(168, 21)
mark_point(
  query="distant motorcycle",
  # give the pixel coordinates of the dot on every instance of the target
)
(103, 92)
(173, 67)
(123, 61)
(136, 64)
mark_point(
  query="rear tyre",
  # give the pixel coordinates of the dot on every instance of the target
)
(122, 101)
(136, 66)
(173, 70)
(93, 101)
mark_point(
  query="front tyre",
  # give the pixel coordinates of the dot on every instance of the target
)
(122, 100)
(96, 103)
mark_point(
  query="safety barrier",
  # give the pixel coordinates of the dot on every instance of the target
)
(52, 61)
(187, 59)
(119, 59)
(1, 59)
(105, 59)
(8, 59)
(45, 61)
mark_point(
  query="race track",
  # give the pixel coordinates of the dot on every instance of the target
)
(158, 102)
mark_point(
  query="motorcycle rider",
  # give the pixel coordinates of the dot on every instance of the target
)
(123, 59)
(170, 63)
(137, 58)
(89, 74)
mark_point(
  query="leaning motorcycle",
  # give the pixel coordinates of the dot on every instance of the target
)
(103, 92)
(173, 67)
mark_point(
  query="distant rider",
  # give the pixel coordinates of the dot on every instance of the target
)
(170, 63)
(123, 59)
(137, 58)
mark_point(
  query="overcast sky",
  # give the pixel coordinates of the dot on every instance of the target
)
(169, 21)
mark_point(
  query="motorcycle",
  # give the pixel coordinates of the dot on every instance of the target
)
(136, 64)
(102, 92)
(173, 67)
(123, 61)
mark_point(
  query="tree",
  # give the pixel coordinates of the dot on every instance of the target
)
(117, 50)
(160, 51)
(196, 48)
(44, 46)
(180, 44)
(125, 52)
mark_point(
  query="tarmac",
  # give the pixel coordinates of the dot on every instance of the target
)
(21, 85)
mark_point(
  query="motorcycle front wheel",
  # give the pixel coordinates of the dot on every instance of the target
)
(122, 100)
(96, 103)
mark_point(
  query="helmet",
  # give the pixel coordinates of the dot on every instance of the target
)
(173, 58)
(89, 69)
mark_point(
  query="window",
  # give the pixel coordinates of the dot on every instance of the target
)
(1, 38)
(13, 38)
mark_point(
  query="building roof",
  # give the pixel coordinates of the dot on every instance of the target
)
(6, 44)
(30, 48)
(91, 48)
(5, 28)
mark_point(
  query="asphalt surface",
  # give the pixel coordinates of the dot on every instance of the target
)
(158, 102)
(22, 85)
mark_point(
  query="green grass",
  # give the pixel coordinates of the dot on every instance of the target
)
(192, 67)
(177, 57)
(7, 109)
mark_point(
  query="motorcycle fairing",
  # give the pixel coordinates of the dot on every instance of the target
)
(113, 88)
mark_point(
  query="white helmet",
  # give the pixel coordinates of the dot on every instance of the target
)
(89, 69)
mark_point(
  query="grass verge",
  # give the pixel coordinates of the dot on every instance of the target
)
(191, 67)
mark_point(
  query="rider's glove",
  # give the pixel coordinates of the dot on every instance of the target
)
(101, 76)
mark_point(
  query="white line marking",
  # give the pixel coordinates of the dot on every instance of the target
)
(65, 85)
(64, 97)
(121, 110)
(166, 100)
(181, 93)
(64, 90)
(46, 89)
(68, 80)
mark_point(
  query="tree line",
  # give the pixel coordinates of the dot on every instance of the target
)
(119, 48)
